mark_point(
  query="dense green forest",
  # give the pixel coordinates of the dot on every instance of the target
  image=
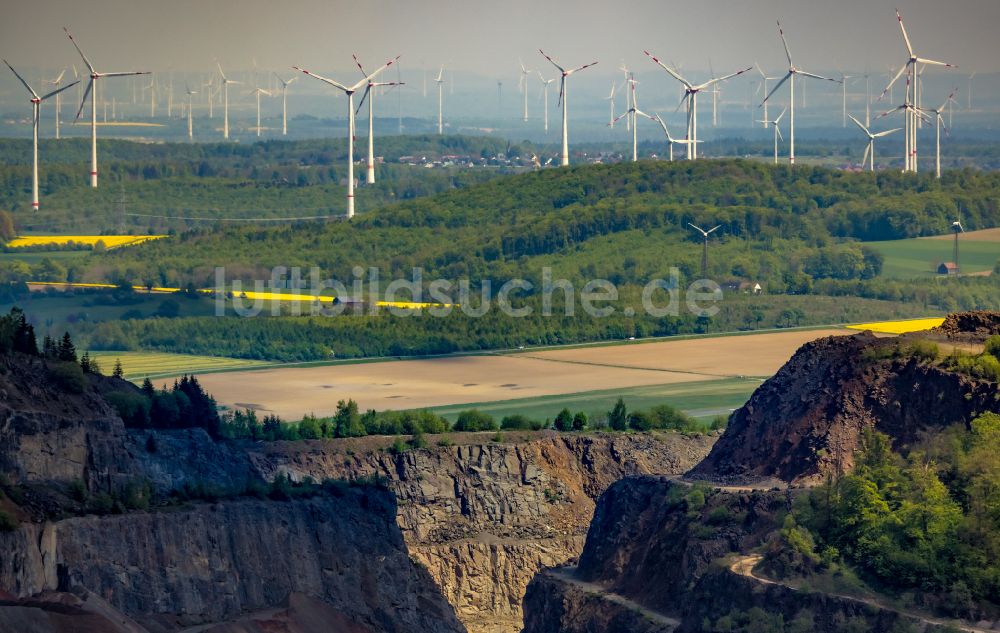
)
(212, 180)
(800, 233)
(925, 524)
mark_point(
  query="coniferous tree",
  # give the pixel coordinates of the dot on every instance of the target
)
(118, 371)
(66, 350)
(618, 417)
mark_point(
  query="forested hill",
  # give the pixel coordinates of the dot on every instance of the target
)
(625, 222)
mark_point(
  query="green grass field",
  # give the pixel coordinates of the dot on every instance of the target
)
(703, 399)
(55, 310)
(138, 365)
(918, 257)
(62, 257)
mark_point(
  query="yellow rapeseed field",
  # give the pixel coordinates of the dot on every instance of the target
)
(900, 327)
(110, 241)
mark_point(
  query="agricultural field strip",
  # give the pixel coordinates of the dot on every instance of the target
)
(110, 241)
(615, 366)
(904, 326)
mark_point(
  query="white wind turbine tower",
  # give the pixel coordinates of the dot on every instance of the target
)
(210, 96)
(524, 87)
(910, 112)
(563, 98)
(152, 96)
(870, 148)
(765, 79)
(55, 84)
(938, 124)
(790, 78)
(92, 86)
(349, 91)
(370, 95)
(545, 98)
(258, 92)
(968, 101)
(611, 99)
(777, 132)
(36, 108)
(628, 97)
(691, 96)
(440, 80)
(225, 101)
(190, 106)
(670, 139)
(843, 98)
(704, 250)
(632, 112)
(284, 103)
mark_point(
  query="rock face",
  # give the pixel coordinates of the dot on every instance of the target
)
(806, 422)
(50, 435)
(484, 517)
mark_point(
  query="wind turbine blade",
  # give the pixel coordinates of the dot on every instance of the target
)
(906, 38)
(775, 88)
(323, 79)
(579, 68)
(932, 62)
(777, 131)
(887, 132)
(554, 63)
(712, 82)
(58, 90)
(788, 53)
(356, 61)
(888, 112)
(127, 74)
(868, 149)
(899, 74)
(621, 116)
(379, 70)
(858, 123)
(220, 71)
(670, 70)
(30, 89)
(659, 120)
(713, 229)
(90, 85)
(760, 70)
(699, 229)
(562, 88)
(368, 89)
(775, 122)
(814, 76)
(85, 60)
(683, 99)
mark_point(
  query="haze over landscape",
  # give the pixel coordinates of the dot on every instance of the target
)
(483, 317)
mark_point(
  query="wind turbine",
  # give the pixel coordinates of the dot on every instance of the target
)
(55, 84)
(909, 111)
(284, 103)
(611, 99)
(671, 140)
(258, 92)
(777, 132)
(440, 80)
(956, 228)
(938, 124)
(870, 148)
(691, 96)
(632, 111)
(524, 86)
(349, 91)
(36, 108)
(910, 67)
(843, 98)
(225, 101)
(628, 97)
(968, 103)
(563, 98)
(370, 95)
(704, 250)
(790, 78)
(765, 79)
(190, 94)
(92, 86)
(545, 98)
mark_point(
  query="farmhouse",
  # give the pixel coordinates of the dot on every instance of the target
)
(947, 268)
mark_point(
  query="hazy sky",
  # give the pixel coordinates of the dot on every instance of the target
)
(487, 37)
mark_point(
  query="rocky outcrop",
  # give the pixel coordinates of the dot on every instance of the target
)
(212, 562)
(806, 422)
(484, 516)
(970, 326)
(51, 434)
